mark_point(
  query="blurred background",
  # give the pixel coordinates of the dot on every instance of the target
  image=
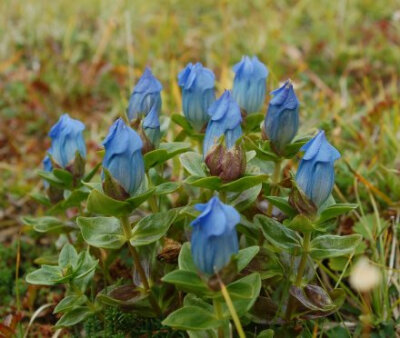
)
(84, 57)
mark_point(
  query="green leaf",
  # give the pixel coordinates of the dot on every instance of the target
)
(246, 288)
(165, 152)
(64, 176)
(151, 228)
(185, 260)
(74, 316)
(68, 256)
(293, 148)
(244, 292)
(279, 235)
(269, 333)
(282, 204)
(210, 182)
(69, 302)
(102, 232)
(85, 270)
(245, 256)
(334, 211)
(136, 200)
(193, 163)
(100, 203)
(181, 121)
(41, 199)
(253, 121)
(244, 183)
(246, 198)
(44, 224)
(328, 246)
(192, 318)
(51, 179)
(91, 173)
(187, 281)
(46, 275)
(192, 300)
(167, 188)
(74, 199)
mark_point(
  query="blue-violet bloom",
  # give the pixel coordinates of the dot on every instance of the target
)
(249, 85)
(145, 96)
(315, 175)
(66, 140)
(282, 120)
(214, 239)
(198, 93)
(225, 120)
(123, 156)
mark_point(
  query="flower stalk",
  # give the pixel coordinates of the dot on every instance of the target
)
(300, 272)
(138, 265)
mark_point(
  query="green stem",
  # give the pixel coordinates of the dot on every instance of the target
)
(232, 310)
(152, 200)
(218, 313)
(300, 272)
(222, 196)
(276, 177)
(138, 265)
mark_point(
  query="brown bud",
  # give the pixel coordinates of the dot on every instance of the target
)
(214, 159)
(233, 164)
(170, 251)
(299, 201)
(229, 164)
(112, 188)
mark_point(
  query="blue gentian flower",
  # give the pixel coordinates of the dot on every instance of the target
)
(67, 139)
(214, 239)
(316, 175)
(249, 85)
(282, 120)
(123, 156)
(48, 167)
(225, 120)
(151, 127)
(145, 96)
(198, 93)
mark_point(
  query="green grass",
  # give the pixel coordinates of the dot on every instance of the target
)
(83, 57)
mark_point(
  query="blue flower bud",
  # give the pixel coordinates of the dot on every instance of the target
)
(123, 156)
(214, 239)
(316, 175)
(282, 120)
(67, 139)
(145, 96)
(198, 93)
(151, 128)
(249, 85)
(225, 120)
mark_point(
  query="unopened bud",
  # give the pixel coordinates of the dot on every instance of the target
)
(112, 188)
(364, 277)
(229, 165)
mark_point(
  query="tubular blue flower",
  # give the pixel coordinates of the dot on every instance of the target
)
(225, 120)
(123, 156)
(249, 85)
(151, 127)
(67, 139)
(214, 239)
(282, 120)
(145, 96)
(316, 175)
(198, 93)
